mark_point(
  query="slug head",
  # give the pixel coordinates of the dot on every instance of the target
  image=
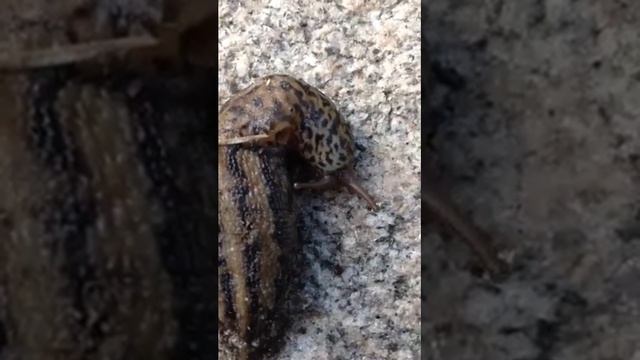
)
(330, 151)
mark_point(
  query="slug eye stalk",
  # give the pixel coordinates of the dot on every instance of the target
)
(343, 178)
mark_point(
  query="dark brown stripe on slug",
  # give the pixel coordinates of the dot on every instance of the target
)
(237, 188)
(280, 197)
(227, 289)
(268, 239)
(259, 245)
(70, 211)
(46, 137)
(185, 258)
(253, 213)
(267, 159)
(225, 286)
(241, 188)
(252, 262)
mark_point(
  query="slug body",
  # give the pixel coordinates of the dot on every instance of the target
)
(281, 110)
(280, 106)
(257, 229)
(258, 128)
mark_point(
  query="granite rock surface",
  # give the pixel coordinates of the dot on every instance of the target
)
(361, 284)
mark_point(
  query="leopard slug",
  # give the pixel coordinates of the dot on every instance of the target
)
(258, 127)
(281, 110)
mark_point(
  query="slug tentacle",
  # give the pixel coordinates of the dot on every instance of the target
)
(327, 182)
(346, 178)
(349, 179)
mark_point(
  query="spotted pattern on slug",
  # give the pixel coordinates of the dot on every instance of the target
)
(280, 105)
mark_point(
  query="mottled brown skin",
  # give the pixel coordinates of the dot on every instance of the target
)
(258, 128)
(280, 109)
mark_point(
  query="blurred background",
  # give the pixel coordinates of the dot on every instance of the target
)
(534, 118)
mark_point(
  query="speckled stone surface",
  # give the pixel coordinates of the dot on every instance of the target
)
(538, 109)
(361, 285)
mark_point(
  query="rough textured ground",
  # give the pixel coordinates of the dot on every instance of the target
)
(538, 108)
(362, 282)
